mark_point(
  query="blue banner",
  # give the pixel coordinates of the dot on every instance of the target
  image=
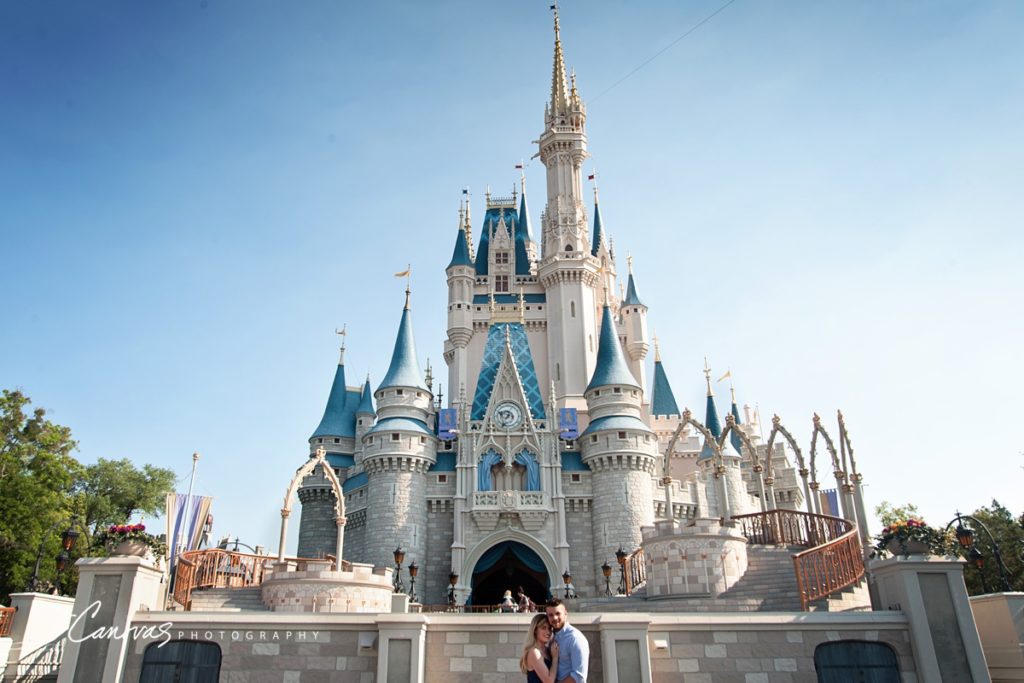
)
(568, 426)
(448, 423)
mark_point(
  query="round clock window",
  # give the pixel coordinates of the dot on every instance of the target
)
(508, 415)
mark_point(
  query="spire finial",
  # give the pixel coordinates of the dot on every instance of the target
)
(732, 392)
(707, 376)
(522, 175)
(622, 292)
(429, 377)
(341, 333)
(593, 178)
(407, 274)
(657, 351)
(629, 262)
(559, 90)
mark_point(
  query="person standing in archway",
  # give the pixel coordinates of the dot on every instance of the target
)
(573, 647)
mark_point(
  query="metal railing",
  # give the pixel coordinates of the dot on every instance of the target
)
(463, 609)
(216, 568)
(635, 570)
(6, 620)
(834, 558)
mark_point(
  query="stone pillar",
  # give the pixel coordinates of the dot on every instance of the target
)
(930, 591)
(625, 655)
(401, 647)
(1000, 620)
(110, 591)
(38, 625)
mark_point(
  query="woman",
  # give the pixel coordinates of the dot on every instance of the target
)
(540, 653)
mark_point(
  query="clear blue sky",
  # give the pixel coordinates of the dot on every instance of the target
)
(824, 197)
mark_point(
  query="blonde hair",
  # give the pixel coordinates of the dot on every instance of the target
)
(531, 640)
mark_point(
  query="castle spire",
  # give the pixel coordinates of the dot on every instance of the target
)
(366, 398)
(338, 419)
(663, 401)
(460, 255)
(611, 367)
(711, 416)
(404, 370)
(598, 235)
(631, 298)
(559, 88)
(733, 436)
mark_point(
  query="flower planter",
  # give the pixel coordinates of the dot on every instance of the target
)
(908, 547)
(130, 548)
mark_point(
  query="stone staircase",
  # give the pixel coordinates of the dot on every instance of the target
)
(228, 600)
(769, 585)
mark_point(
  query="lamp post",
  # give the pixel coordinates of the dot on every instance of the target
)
(965, 537)
(67, 541)
(399, 555)
(414, 569)
(567, 580)
(453, 579)
(606, 569)
(620, 556)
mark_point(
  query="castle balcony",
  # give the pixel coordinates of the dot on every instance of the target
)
(531, 507)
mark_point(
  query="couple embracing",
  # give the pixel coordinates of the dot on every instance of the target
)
(554, 652)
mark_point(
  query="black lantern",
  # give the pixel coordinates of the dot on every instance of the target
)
(68, 539)
(414, 569)
(975, 556)
(567, 580)
(620, 557)
(399, 558)
(964, 536)
(606, 570)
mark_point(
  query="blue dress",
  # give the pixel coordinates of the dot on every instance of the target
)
(532, 677)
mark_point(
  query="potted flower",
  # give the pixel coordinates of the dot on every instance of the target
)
(913, 537)
(130, 539)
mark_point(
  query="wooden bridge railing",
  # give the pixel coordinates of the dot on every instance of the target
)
(834, 558)
(217, 568)
(635, 570)
(6, 620)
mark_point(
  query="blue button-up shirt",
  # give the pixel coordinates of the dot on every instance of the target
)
(573, 654)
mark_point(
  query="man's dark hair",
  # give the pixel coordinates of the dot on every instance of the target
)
(555, 602)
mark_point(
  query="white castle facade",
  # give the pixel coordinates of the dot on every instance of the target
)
(509, 494)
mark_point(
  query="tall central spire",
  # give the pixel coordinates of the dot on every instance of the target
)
(559, 83)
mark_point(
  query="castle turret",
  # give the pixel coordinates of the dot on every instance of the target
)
(634, 322)
(460, 273)
(619, 448)
(567, 270)
(365, 414)
(398, 450)
(336, 434)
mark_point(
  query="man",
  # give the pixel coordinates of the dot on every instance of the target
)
(573, 648)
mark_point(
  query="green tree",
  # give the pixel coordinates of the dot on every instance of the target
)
(888, 513)
(37, 474)
(113, 491)
(1008, 532)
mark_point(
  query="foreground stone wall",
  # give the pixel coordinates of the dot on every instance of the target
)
(456, 648)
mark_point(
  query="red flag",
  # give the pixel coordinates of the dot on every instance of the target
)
(590, 177)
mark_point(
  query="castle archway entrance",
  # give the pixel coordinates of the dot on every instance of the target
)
(507, 566)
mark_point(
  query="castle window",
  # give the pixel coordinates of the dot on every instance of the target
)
(399, 392)
(184, 660)
(597, 392)
(632, 392)
(359, 422)
(423, 439)
(558, 372)
(647, 438)
(572, 308)
(337, 440)
(319, 440)
(593, 439)
(617, 390)
(501, 283)
(568, 247)
(636, 310)
(442, 479)
(501, 257)
(447, 445)
(574, 478)
(395, 437)
(622, 435)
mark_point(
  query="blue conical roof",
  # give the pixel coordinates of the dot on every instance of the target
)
(366, 399)
(663, 401)
(460, 257)
(713, 425)
(611, 365)
(631, 298)
(597, 235)
(404, 370)
(523, 237)
(734, 436)
(338, 419)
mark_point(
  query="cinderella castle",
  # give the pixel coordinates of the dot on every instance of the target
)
(556, 448)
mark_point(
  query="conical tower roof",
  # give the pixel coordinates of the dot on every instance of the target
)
(366, 399)
(338, 419)
(663, 401)
(404, 370)
(611, 367)
(598, 235)
(460, 256)
(734, 437)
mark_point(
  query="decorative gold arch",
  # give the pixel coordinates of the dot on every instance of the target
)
(318, 459)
